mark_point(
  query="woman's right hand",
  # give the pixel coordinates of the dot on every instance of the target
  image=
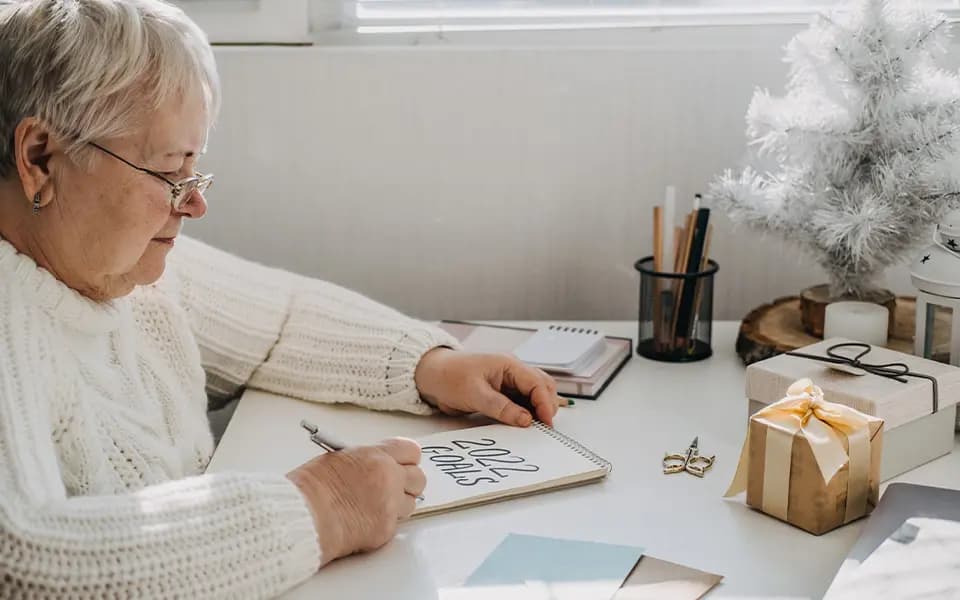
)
(358, 494)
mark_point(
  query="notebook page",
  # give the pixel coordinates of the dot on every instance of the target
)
(472, 465)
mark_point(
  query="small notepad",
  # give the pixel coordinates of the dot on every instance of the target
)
(534, 567)
(490, 463)
(561, 349)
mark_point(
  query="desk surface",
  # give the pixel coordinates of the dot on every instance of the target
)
(649, 408)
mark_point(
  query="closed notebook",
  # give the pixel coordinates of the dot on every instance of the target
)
(919, 560)
(586, 379)
(900, 503)
(485, 464)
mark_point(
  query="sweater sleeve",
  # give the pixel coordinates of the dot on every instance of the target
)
(226, 535)
(284, 333)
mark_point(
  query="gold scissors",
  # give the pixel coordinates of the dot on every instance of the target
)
(690, 461)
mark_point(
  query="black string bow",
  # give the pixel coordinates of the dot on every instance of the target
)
(897, 371)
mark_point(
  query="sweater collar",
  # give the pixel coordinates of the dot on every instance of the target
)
(53, 296)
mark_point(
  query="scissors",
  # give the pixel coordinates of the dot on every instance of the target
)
(690, 461)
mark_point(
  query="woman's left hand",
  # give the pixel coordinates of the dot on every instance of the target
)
(459, 382)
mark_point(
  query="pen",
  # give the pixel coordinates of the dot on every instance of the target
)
(669, 208)
(326, 444)
(525, 403)
(316, 439)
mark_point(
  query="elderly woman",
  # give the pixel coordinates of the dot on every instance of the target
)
(116, 330)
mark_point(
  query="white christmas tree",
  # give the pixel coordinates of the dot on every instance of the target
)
(865, 143)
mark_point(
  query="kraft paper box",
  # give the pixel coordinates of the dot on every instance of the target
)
(913, 433)
(811, 463)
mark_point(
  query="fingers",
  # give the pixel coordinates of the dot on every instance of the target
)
(408, 504)
(496, 405)
(407, 454)
(545, 403)
(414, 481)
(539, 387)
(403, 450)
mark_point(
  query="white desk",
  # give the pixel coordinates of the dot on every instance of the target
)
(649, 408)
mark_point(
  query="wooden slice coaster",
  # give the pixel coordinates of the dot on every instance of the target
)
(777, 327)
(814, 301)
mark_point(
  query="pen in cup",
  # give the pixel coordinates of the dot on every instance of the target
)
(326, 444)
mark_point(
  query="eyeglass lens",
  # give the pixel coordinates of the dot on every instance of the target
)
(198, 184)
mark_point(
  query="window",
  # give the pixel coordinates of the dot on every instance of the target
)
(251, 21)
(394, 16)
(300, 21)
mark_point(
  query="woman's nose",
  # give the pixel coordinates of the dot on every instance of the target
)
(195, 206)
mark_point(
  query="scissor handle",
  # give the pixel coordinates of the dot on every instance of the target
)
(698, 465)
(674, 463)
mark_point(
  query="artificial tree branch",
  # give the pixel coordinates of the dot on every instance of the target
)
(849, 186)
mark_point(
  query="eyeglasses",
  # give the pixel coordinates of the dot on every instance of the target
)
(180, 190)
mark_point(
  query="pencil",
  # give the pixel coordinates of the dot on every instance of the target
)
(669, 221)
(658, 267)
(706, 247)
(657, 239)
(682, 268)
(699, 290)
(678, 235)
(684, 327)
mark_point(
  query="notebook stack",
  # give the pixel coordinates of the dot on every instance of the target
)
(582, 361)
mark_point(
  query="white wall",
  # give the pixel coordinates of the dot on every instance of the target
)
(479, 182)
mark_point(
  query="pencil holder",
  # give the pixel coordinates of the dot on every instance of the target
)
(676, 313)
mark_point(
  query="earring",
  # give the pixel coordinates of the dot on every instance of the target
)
(36, 204)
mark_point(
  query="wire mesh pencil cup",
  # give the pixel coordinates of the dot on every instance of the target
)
(675, 314)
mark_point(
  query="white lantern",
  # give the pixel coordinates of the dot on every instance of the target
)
(936, 275)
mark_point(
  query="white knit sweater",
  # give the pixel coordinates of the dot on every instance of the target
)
(103, 429)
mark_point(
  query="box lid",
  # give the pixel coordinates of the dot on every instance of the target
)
(895, 402)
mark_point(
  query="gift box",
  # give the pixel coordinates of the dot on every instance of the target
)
(811, 463)
(915, 397)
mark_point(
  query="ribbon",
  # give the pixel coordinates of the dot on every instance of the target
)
(824, 425)
(897, 371)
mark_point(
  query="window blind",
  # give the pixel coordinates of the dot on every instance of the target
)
(427, 15)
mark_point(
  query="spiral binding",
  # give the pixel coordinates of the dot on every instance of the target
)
(573, 329)
(576, 446)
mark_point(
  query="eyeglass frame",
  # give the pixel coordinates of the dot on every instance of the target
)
(200, 182)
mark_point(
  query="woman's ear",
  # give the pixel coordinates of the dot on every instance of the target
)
(33, 146)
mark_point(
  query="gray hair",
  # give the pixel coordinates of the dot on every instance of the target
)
(94, 69)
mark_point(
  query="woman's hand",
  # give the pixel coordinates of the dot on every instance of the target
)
(357, 495)
(457, 382)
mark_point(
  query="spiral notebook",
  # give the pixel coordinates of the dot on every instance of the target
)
(562, 349)
(490, 463)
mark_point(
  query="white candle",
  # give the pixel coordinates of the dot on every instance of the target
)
(859, 321)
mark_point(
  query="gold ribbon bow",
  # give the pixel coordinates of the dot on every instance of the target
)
(822, 423)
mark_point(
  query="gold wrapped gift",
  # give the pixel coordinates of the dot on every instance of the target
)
(811, 463)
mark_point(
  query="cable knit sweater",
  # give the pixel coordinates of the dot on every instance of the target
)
(103, 430)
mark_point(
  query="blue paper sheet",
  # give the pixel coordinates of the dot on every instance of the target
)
(560, 566)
